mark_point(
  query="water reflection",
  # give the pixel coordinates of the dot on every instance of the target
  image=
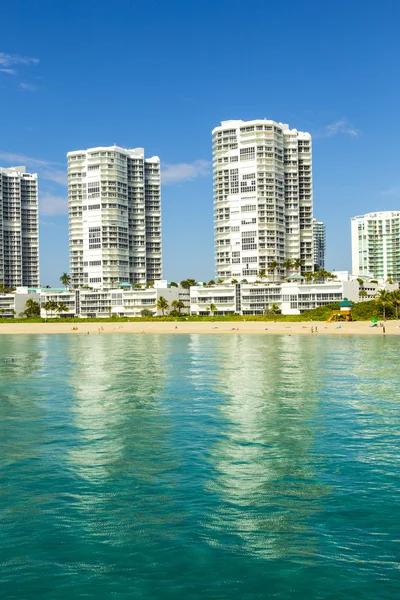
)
(265, 468)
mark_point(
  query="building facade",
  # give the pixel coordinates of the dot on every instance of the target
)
(263, 199)
(375, 245)
(319, 235)
(258, 298)
(19, 228)
(114, 198)
(121, 301)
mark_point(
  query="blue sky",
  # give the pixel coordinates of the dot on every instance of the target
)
(162, 74)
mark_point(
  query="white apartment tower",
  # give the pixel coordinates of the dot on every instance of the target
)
(114, 198)
(375, 245)
(263, 204)
(319, 232)
(19, 228)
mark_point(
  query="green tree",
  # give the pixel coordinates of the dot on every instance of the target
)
(360, 281)
(187, 283)
(262, 274)
(362, 294)
(234, 281)
(272, 267)
(61, 308)
(65, 280)
(50, 306)
(211, 282)
(212, 308)
(309, 276)
(145, 312)
(150, 284)
(274, 308)
(298, 263)
(32, 308)
(384, 299)
(162, 304)
(287, 264)
(138, 286)
(396, 301)
(178, 304)
(173, 284)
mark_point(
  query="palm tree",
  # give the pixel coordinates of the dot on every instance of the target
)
(212, 308)
(272, 267)
(298, 263)
(178, 304)
(308, 275)
(362, 294)
(287, 264)
(62, 308)
(234, 281)
(262, 274)
(187, 283)
(396, 301)
(49, 307)
(65, 280)
(211, 282)
(32, 308)
(162, 304)
(384, 298)
(274, 308)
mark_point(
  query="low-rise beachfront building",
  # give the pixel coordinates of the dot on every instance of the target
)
(122, 301)
(13, 304)
(299, 297)
(291, 298)
(209, 299)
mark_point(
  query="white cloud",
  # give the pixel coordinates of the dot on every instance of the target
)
(7, 60)
(50, 205)
(28, 87)
(341, 126)
(52, 171)
(171, 174)
(9, 71)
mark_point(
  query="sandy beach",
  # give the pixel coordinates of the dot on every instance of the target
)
(214, 328)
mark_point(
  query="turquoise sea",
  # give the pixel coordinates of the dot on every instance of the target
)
(199, 467)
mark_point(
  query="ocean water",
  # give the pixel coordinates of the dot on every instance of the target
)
(199, 467)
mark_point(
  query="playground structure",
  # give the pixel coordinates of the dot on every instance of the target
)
(343, 313)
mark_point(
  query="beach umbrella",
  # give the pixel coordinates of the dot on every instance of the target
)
(373, 320)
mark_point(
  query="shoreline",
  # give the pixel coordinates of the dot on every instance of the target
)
(203, 327)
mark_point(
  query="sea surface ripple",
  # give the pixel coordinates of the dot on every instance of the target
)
(199, 467)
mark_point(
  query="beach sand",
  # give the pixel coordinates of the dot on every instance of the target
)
(208, 327)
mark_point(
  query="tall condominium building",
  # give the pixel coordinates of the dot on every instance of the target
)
(263, 204)
(375, 245)
(19, 228)
(319, 232)
(114, 217)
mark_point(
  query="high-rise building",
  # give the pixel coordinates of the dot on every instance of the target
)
(263, 205)
(375, 245)
(114, 201)
(19, 228)
(319, 232)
